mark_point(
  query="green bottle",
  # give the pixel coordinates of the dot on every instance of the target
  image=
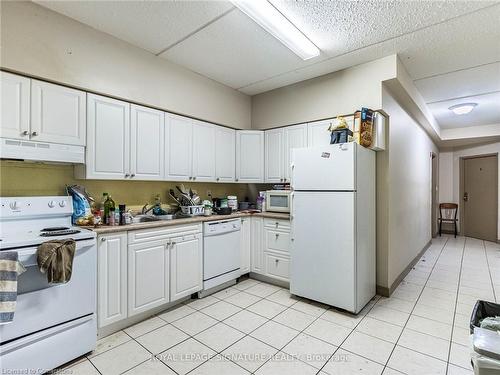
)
(101, 208)
(108, 205)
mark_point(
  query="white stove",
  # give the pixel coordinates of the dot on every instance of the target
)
(59, 316)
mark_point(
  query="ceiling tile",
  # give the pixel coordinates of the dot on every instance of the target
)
(337, 27)
(461, 83)
(236, 51)
(486, 112)
(152, 25)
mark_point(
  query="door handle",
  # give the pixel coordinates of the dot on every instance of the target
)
(466, 197)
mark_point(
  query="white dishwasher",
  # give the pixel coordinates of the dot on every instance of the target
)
(221, 252)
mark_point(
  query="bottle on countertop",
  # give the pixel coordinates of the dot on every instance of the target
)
(111, 216)
(108, 205)
(102, 212)
(121, 211)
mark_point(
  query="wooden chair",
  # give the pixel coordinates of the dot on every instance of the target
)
(448, 213)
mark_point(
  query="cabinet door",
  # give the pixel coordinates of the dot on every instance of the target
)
(108, 138)
(147, 143)
(294, 137)
(203, 151)
(245, 246)
(277, 266)
(257, 245)
(148, 276)
(58, 114)
(274, 155)
(318, 134)
(186, 275)
(178, 144)
(14, 106)
(249, 156)
(225, 154)
(112, 278)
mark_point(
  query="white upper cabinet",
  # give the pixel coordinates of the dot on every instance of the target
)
(249, 156)
(15, 106)
(108, 138)
(204, 135)
(58, 114)
(147, 143)
(225, 154)
(178, 148)
(274, 155)
(294, 137)
(318, 134)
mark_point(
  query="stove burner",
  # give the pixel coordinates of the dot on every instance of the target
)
(64, 232)
(53, 229)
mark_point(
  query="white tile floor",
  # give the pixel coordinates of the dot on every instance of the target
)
(259, 328)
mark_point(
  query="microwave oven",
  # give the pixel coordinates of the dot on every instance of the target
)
(278, 200)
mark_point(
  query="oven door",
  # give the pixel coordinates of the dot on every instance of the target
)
(41, 305)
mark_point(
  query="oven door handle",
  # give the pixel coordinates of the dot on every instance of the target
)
(28, 256)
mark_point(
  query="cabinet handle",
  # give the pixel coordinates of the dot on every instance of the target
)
(194, 178)
(276, 260)
(127, 175)
(34, 134)
(25, 132)
(103, 239)
(236, 179)
(277, 235)
(277, 224)
(132, 175)
(217, 178)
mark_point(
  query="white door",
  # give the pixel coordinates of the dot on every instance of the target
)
(257, 244)
(58, 114)
(245, 245)
(148, 276)
(318, 133)
(112, 278)
(274, 155)
(203, 151)
(294, 137)
(323, 248)
(186, 257)
(15, 106)
(225, 154)
(147, 143)
(108, 138)
(178, 144)
(249, 156)
(331, 167)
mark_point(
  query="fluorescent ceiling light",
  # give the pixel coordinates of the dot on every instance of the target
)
(462, 109)
(268, 17)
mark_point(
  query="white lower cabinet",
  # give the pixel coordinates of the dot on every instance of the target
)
(143, 269)
(148, 281)
(112, 278)
(271, 248)
(246, 245)
(256, 244)
(186, 255)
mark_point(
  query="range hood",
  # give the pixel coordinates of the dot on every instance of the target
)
(41, 151)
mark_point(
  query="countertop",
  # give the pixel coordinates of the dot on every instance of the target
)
(189, 220)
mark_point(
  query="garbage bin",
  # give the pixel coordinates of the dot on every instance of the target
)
(485, 353)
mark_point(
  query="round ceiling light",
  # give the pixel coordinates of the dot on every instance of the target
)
(462, 109)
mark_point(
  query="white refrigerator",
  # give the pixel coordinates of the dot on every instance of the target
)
(333, 225)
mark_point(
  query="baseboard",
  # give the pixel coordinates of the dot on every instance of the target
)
(387, 291)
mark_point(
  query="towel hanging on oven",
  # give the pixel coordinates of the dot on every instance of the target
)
(10, 269)
(55, 258)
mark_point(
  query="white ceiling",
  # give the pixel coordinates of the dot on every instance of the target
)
(450, 48)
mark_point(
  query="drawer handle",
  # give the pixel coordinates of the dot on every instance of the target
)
(34, 134)
(103, 239)
(277, 224)
(276, 260)
(277, 235)
(25, 132)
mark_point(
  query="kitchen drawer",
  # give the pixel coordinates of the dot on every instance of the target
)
(275, 240)
(277, 266)
(277, 224)
(164, 233)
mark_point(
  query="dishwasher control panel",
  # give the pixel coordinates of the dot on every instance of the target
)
(212, 228)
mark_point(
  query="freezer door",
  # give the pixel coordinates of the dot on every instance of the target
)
(330, 167)
(323, 248)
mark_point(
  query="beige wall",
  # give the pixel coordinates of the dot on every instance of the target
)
(404, 205)
(39, 42)
(449, 172)
(334, 94)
